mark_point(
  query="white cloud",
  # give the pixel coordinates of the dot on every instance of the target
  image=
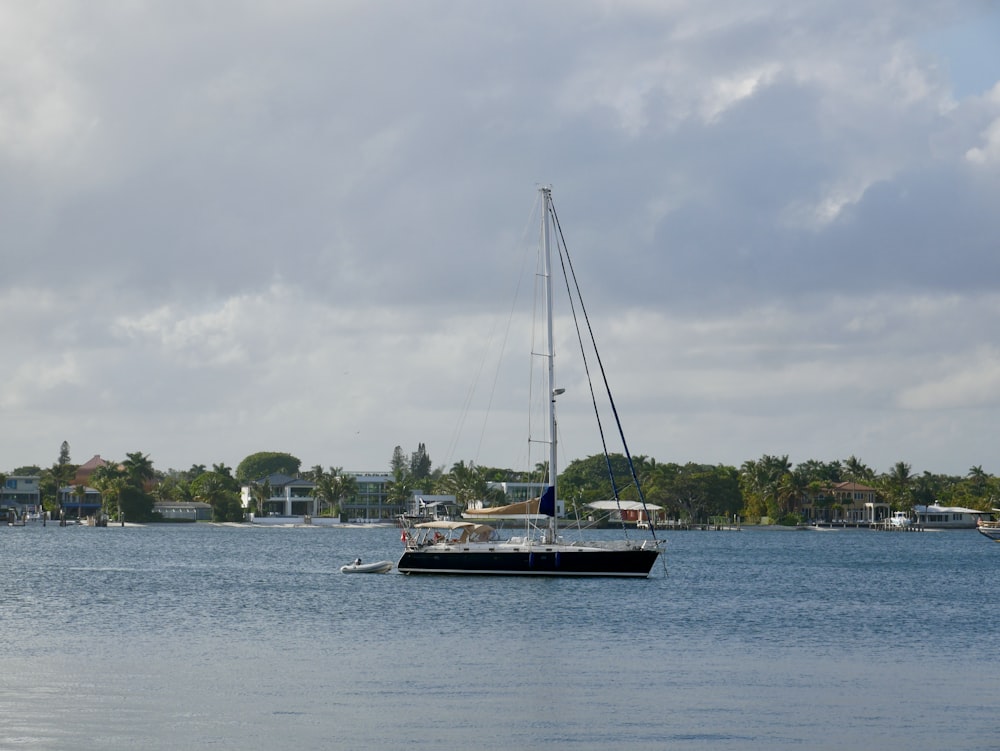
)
(230, 227)
(967, 382)
(989, 152)
(724, 92)
(45, 114)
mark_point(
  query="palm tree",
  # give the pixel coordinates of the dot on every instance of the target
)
(761, 482)
(260, 492)
(791, 489)
(138, 469)
(332, 486)
(110, 480)
(978, 480)
(398, 491)
(897, 484)
(856, 470)
(467, 483)
(80, 491)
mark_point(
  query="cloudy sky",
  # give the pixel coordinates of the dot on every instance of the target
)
(291, 225)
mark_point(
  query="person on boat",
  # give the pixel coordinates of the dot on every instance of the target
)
(357, 561)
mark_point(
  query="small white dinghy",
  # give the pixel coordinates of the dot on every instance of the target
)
(378, 567)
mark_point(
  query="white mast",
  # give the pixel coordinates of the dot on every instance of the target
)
(550, 355)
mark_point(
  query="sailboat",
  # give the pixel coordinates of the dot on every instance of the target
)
(474, 546)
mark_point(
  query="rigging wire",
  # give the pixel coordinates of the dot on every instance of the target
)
(565, 260)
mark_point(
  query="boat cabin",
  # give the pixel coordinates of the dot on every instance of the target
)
(934, 516)
(448, 533)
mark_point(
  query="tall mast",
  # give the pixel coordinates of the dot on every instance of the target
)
(550, 355)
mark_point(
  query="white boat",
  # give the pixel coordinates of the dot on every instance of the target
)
(378, 567)
(935, 516)
(471, 547)
(900, 519)
(990, 528)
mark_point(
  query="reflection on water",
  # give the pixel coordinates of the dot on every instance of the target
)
(236, 637)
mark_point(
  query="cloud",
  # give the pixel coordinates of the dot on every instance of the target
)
(971, 382)
(989, 151)
(234, 227)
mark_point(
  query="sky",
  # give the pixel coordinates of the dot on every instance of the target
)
(232, 227)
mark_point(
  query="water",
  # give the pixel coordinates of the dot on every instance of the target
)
(222, 637)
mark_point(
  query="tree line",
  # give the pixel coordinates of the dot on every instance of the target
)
(770, 486)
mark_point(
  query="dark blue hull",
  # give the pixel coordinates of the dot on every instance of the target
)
(618, 563)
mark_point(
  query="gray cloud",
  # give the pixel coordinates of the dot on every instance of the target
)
(230, 228)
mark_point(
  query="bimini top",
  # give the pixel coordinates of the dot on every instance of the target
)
(460, 532)
(623, 505)
(445, 525)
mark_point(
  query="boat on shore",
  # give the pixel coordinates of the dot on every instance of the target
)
(474, 546)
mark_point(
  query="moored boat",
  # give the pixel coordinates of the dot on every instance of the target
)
(935, 516)
(467, 547)
(989, 528)
(900, 519)
(472, 547)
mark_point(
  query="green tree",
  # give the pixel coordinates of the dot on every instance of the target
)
(220, 491)
(399, 490)
(761, 484)
(596, 478)
(110, 480)
(857, 471)
(138, 469)
(468, 483)
(195, 471)
(420, 464)
(333, 487)
(61, 475)
(896, 486)
(260, 491)
(266, 463)
(702, 491)
(398, 465)
(136, 505)
(323, 490)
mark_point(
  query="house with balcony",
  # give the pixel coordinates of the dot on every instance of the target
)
(75, 504)
(21, 493)
(370, 500)
(286, 496)
(850, 502)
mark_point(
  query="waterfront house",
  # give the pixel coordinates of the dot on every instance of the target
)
(369, 501)
(287, 496)
(76, 505)
(85, 470)
(849, 502)
(22, 494)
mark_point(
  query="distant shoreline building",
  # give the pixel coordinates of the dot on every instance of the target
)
(21, 493)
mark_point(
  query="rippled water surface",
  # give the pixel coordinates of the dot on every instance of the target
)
(224, 637)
